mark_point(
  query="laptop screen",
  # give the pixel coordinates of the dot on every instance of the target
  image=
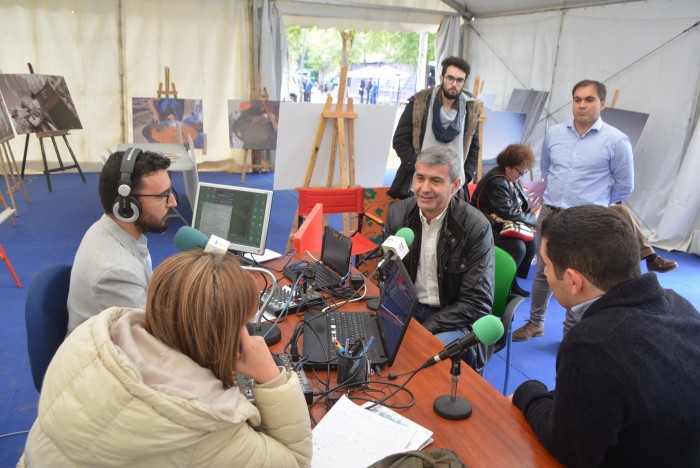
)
(336, 251)
(396, 308)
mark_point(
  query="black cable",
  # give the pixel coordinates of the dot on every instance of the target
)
(391, 376)
(401, 387)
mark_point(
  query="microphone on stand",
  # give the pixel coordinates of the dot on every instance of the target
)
(188, 238)
(486, 330)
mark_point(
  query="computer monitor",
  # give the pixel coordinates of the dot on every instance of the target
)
(240, 215)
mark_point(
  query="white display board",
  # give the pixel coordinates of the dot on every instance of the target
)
(298, 125)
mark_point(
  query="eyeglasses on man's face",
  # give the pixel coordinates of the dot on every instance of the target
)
(166, 195)
(451, 79)
(522, 173)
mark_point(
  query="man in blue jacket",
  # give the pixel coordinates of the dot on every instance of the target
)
(627, 373)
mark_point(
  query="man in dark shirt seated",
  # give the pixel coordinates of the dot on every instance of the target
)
(628, 373)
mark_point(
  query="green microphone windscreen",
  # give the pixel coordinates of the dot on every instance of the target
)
(407, 235)
(188, 238)
(488, 329)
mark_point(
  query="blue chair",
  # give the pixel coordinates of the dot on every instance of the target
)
(46, 317)
(505, 303)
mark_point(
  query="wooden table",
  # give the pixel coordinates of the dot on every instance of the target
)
(496, 434)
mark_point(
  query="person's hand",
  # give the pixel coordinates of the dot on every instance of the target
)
(536, 211)
(255, 360)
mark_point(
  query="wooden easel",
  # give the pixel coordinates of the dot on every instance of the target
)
(347, 157)
(6, 212)
(257, 156)
(171, 91)
(478, 87)
(614, 99)
(52, 135)
(8, 166)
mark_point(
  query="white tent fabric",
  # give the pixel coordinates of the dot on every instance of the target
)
(448, 40)
(378, 15)
(630, 48)
(92, 44)
(113, 50)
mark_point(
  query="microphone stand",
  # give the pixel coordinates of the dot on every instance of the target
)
(452, 406)
(382, 275)
(268, 331)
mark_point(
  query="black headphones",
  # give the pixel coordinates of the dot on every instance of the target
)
(127, 208)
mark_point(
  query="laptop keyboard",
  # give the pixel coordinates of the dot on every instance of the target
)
(351, 326)
(322, 277)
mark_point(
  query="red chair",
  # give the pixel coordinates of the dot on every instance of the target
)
(309, 236)
(3, 256)
(337, 201)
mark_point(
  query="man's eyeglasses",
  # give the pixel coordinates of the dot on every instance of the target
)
(522, 173)
(452, 79)
(165, 194)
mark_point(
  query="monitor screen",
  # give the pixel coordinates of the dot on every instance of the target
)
(240, 215)
(396, 308)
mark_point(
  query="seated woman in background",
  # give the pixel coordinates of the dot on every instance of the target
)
(158, 388)
(500, 192)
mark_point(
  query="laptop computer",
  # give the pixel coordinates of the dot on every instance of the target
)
(336, 251)
(388, 325)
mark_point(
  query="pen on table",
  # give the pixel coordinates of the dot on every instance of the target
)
(347, 343)
(340, 348)
(369, 343)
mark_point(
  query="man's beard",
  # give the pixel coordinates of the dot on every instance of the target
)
(149, 225)
(448, 94)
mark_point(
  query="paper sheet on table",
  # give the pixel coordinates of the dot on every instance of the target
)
(422, 438)
(349, 436)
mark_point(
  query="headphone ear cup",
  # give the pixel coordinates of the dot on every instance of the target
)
(126, 209)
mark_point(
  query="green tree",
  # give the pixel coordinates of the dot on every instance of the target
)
(323, 49)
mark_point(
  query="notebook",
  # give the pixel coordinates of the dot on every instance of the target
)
(336, 251)
(388, 325)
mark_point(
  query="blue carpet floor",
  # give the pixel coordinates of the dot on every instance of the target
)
(49, 230)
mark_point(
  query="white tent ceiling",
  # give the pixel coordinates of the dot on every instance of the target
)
(412, 15)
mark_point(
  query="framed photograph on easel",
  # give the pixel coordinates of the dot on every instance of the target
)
(253, 124)
(6, 132)
(39, 103)
(156, 120)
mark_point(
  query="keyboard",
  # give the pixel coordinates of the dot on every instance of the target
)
(322, 276)
(351, 326)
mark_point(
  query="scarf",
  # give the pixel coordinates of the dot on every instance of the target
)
(447, 134)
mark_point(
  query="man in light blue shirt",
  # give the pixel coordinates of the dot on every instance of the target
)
(584, 162)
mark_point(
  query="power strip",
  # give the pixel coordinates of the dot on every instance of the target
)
(246, 383)
(281, 295)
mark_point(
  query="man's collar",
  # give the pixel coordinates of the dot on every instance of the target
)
(438, 219)
(597, 125)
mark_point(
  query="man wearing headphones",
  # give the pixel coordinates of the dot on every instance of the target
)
(112, 266)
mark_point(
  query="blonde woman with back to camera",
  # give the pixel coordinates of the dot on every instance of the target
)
(158, 388)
